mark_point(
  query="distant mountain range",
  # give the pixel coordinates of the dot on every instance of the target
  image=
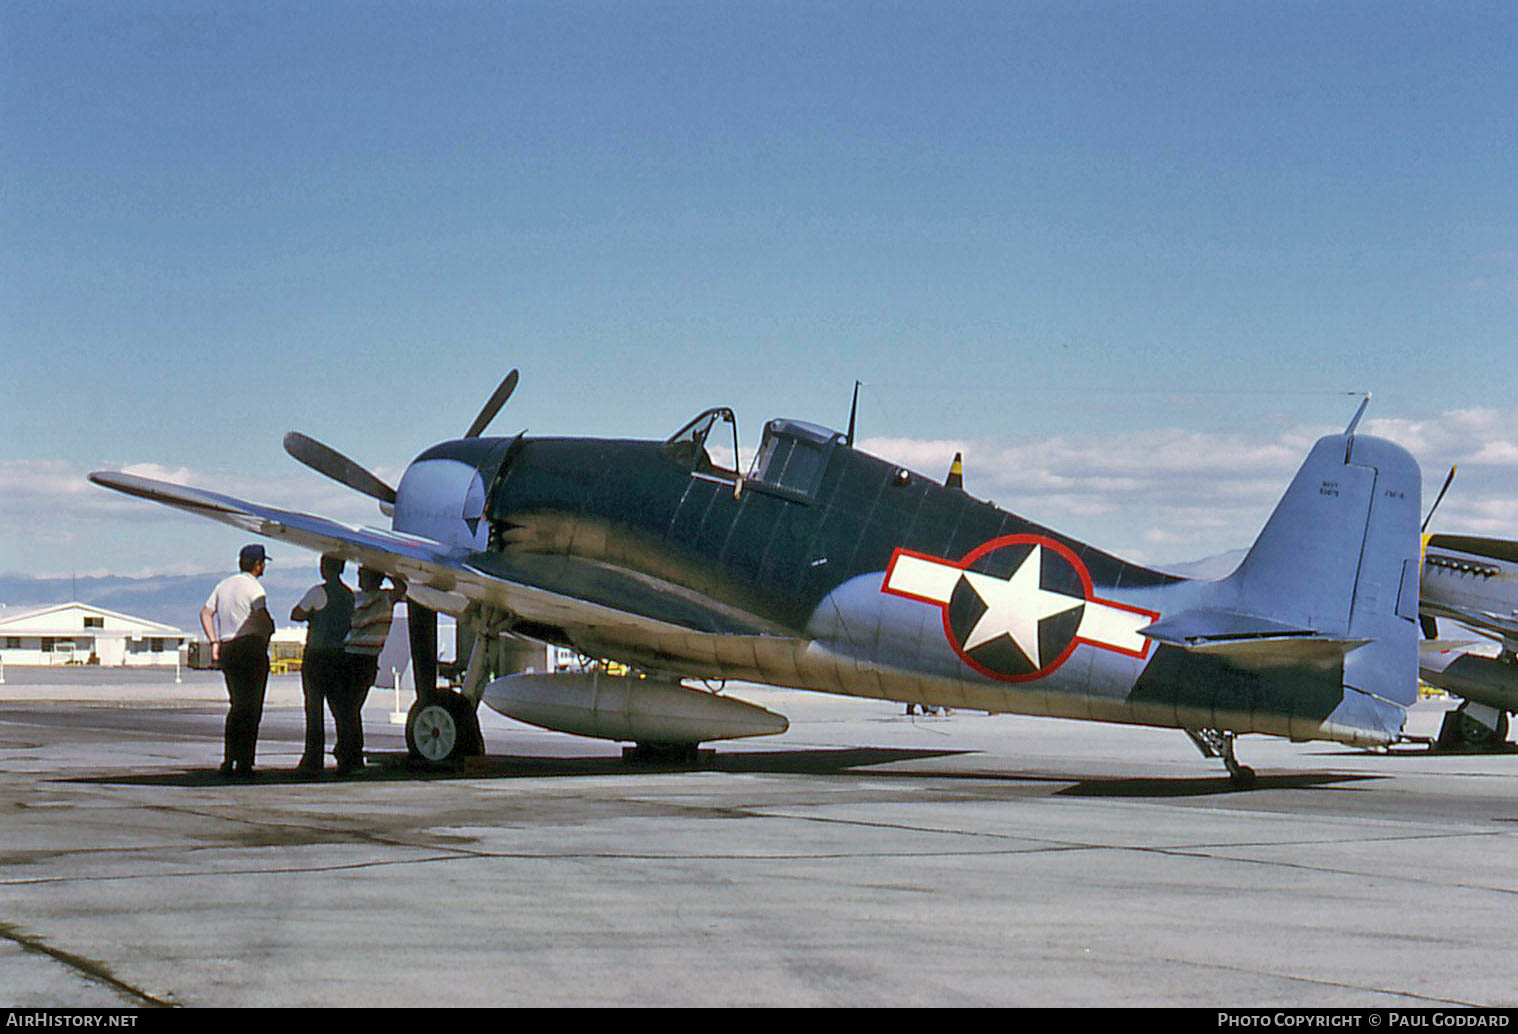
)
(176, 599)
(1209, 568)
(172, 599)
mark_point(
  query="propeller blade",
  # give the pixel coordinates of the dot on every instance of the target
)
(326, 460)
(1440, 499)
(493, 406)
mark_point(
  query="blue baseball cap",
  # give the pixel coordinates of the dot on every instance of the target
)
(250, 555)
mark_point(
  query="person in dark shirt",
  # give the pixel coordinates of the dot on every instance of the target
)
(327, 609)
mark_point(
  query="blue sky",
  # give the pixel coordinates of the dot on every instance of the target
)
(1130, 255)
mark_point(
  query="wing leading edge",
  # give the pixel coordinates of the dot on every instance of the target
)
(590, 601)
(393, 552)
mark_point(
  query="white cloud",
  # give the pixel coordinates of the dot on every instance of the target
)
(55, 521)
(1160, 496)
(1169, 495)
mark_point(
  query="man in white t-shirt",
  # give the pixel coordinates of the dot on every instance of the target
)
(236, 620)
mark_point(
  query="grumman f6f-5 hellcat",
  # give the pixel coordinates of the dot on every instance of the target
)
(825, 568)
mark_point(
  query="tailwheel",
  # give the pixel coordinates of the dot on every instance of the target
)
(1241, 776)
(1218, 743)
(443, 726)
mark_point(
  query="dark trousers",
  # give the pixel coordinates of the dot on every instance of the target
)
(245, 666)
(348, 715)
(323, 682)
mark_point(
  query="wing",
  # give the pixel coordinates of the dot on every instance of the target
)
(1501, 627)
(620, 612)
(406, 555)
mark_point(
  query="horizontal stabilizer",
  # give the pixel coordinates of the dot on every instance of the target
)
(1280, 651)
(1428, 647)
(1248, 640)
(1191, 627)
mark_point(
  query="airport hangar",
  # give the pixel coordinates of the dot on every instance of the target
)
(79, 633)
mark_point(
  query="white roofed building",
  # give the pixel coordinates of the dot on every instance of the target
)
(73, 633)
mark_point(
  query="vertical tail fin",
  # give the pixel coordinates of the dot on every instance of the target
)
(1340, 556)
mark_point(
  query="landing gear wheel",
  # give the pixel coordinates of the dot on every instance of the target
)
(443, 727)
(1218, 743)
(1242, 777)
(663, 753)
(1472, 732)
(1461, 731)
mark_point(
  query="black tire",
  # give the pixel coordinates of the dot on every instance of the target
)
(1244, 778)
(664, 753)
(1475, 734)
(1462, 732)
(443, 727)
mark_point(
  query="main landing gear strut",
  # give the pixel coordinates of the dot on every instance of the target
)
(1216, 743)
(443, 726)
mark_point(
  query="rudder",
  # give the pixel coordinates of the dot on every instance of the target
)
(1339, 556)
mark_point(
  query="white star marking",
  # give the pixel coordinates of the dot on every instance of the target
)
(1015, 606)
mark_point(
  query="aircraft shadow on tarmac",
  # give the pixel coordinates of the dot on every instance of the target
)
(1207, 786)
(1432, 750)
(397, 768)
(819, 762)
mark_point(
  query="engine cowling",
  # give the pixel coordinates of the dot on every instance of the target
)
(443, 493)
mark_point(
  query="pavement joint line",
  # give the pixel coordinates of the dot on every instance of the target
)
(1174, 852)
(463, 855)
(1037, 845)
(1212, 852)
(257, 871)
(1319, 982)
(1224, 845)
(88, 968)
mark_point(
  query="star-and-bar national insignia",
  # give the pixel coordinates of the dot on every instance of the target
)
(1015, 608)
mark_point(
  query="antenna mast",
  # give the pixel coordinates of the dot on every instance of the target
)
(853, 412)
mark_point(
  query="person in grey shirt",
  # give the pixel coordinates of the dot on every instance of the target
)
(327, 609)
